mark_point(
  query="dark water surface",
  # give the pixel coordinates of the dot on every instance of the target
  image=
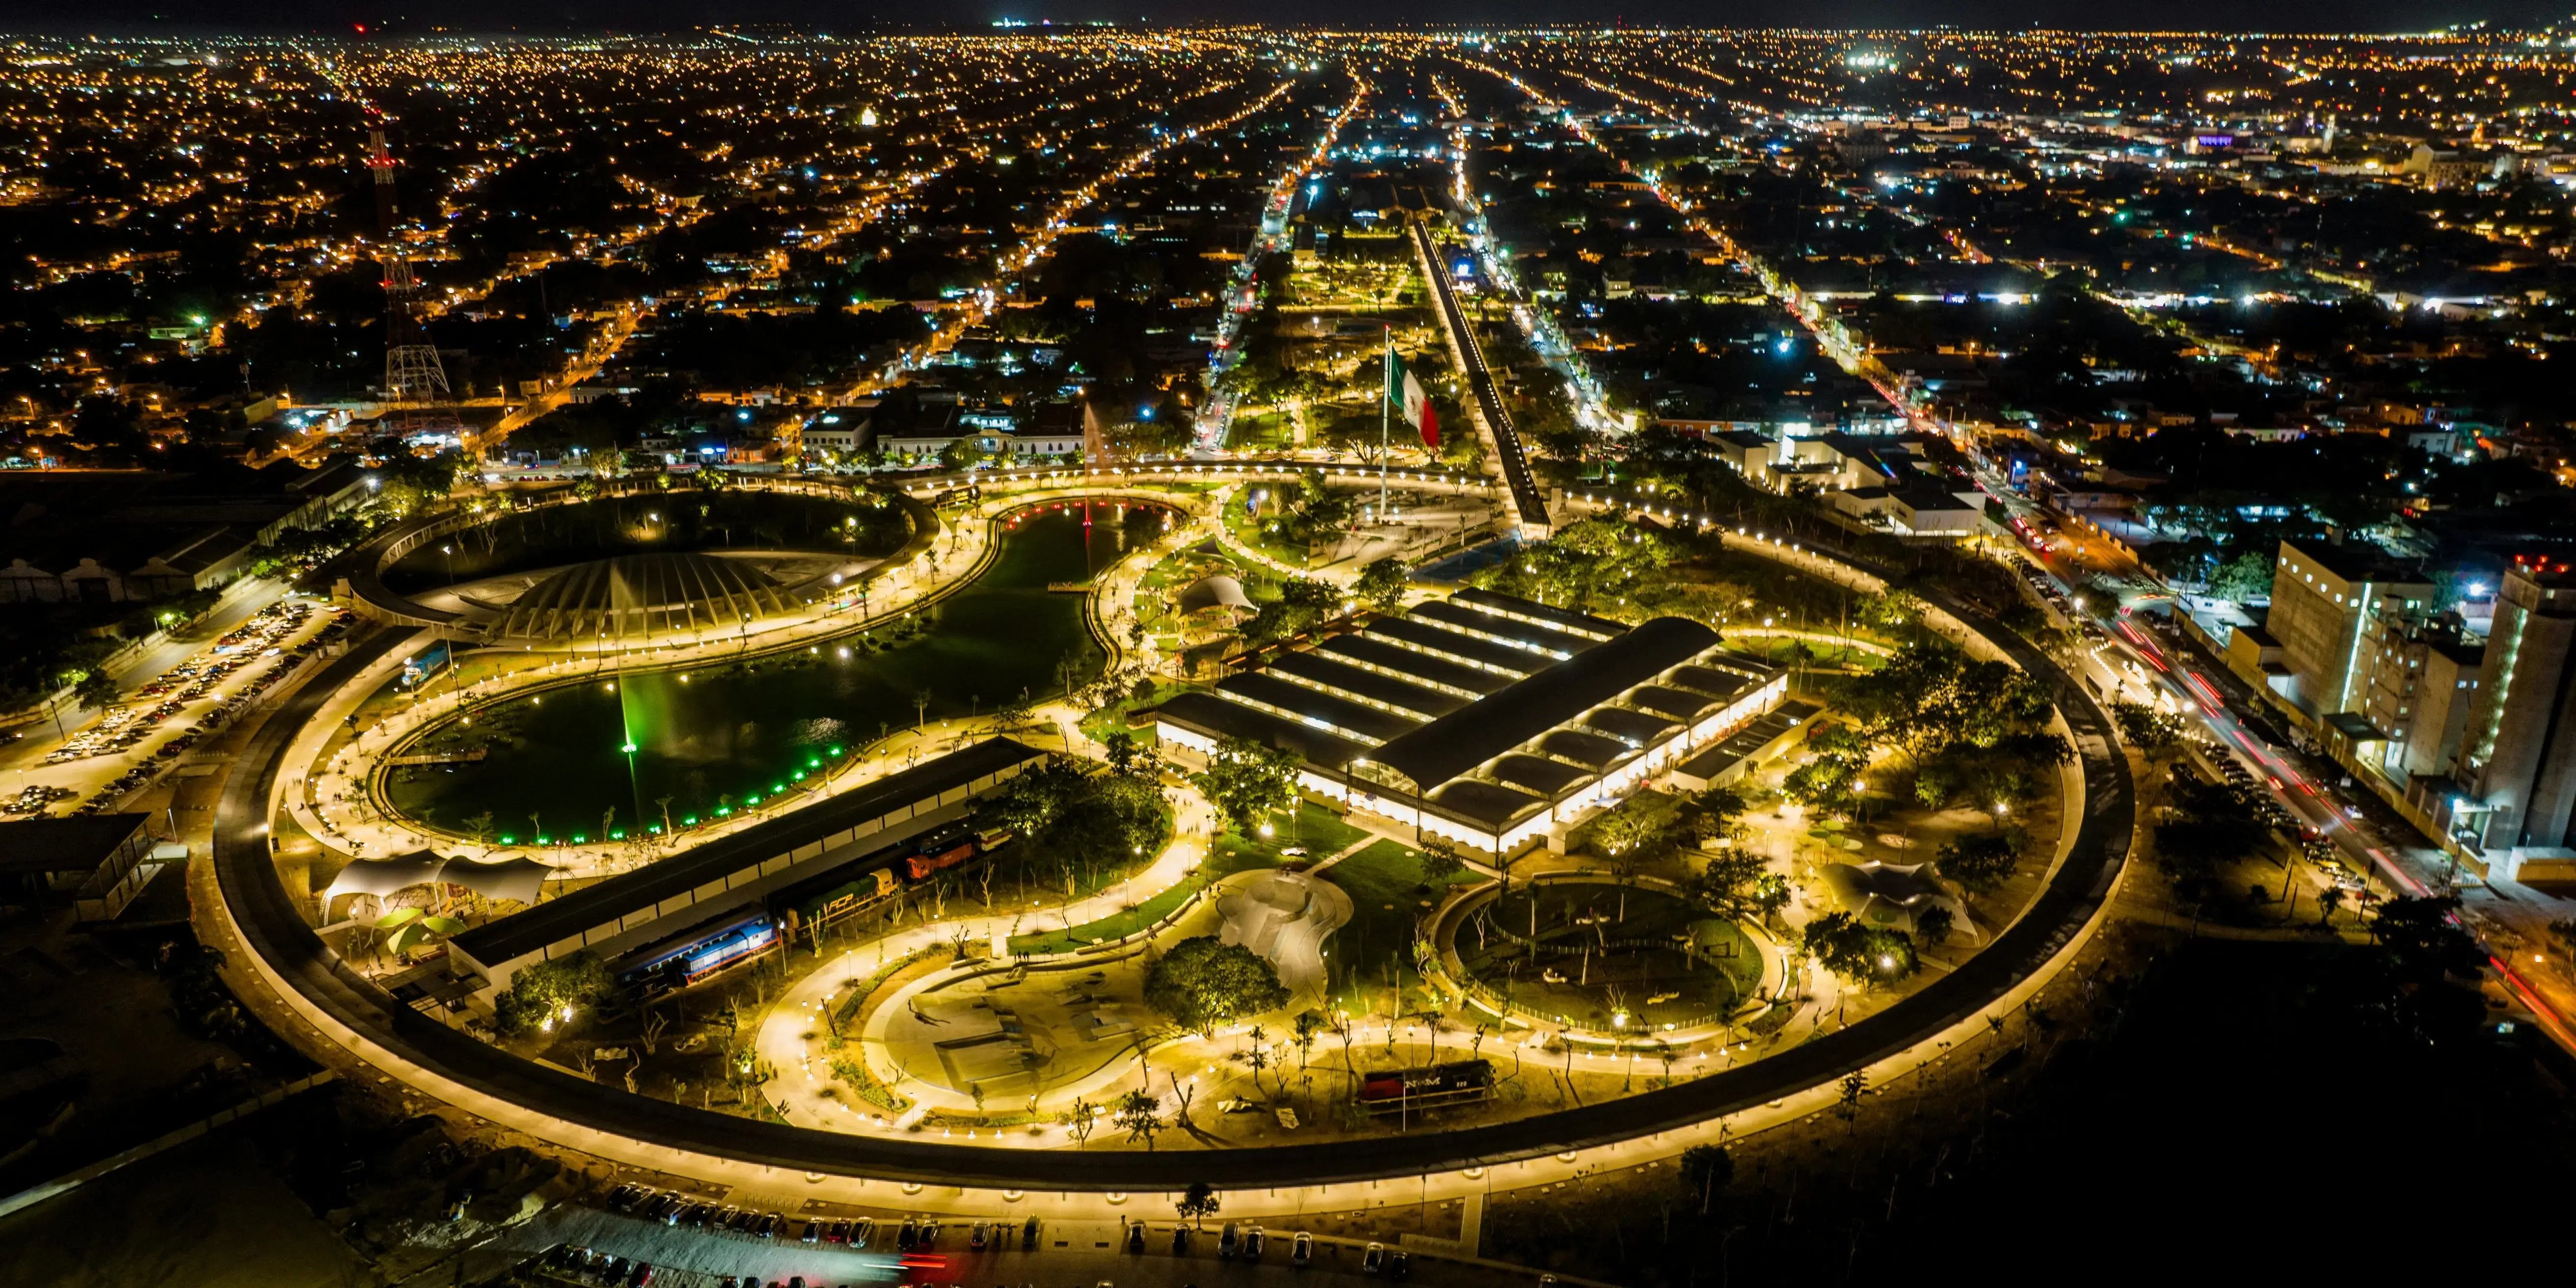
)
(732, 732)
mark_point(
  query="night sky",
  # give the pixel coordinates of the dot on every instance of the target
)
(633, 15)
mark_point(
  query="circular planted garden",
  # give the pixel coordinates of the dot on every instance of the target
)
(1604, 955)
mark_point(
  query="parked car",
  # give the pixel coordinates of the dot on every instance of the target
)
(813, 1233)
(1136, 1237)
(1374, 1259)
(975, 1238)
(1301, 1249)
(1398, 1265)
(1180, 1241)
(1252, 1244)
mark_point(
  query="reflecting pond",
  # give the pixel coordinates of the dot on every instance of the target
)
(723, 737)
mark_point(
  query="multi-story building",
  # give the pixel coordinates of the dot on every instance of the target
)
(2424, 676)
(2517, 765)
(2473, 740)
(2328, 602)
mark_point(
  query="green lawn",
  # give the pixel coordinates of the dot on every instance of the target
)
(1262, 532)
(1316, 828)
(1320, 831)
(1119, 925)
(1113, 718)
(1387, 896)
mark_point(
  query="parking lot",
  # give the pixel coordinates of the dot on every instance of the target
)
(155, 724)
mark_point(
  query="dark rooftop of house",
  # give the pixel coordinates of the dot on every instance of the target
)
(36, 846)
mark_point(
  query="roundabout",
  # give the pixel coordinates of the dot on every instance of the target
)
(319, 996)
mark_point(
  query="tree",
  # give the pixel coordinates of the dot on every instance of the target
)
(95, 689)
(1080, 1120)
(1255, 1056)
(1381, 584)
(1981, 862)
(1316, 509)
(2247, 576)
(1823, 783)
(1142, 1117)
(1705, 1173)
(1713, 815)
(964, 454)
(2210, 825)
(2421, 952)
(1634, 831)
(1302, 602)
(1929, 696)
(1739, 884)
(1248, 779)
(1015, 714)
(2156, 734)
(1933, 925)
(1132, 758)
(1440, 861)
(1310, 1024)
(1079, 815)
(542, 993)
(1203, 983)
(1857, 952)
(1197, 1204)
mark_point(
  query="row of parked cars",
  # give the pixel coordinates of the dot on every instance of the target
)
(1250, 1241)
(570, 1263)
(581, 1265)
(260, 632)
(916, 1236)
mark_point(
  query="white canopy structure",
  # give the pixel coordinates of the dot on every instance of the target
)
(518, 879)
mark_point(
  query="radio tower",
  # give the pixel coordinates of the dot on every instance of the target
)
(413, 377)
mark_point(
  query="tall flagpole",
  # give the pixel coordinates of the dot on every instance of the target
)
(1384, 396)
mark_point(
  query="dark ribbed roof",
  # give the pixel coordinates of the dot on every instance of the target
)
(1454, 744)
(1562, 618)
(1554, 642)
(1681, 704)
(1421, 666)
(1727, 682)
(1636, 728)
(1724, 754)
(1315, 668)
(1214, 717)
(1586, 748)
(1355, 719)
(1409, 632)
(1495, 806)
(638, 594)
(1538, 773)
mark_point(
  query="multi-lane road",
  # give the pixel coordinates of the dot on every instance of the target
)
(1528, 501)
(2141, 653)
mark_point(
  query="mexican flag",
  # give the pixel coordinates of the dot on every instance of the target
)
(1412, 400)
